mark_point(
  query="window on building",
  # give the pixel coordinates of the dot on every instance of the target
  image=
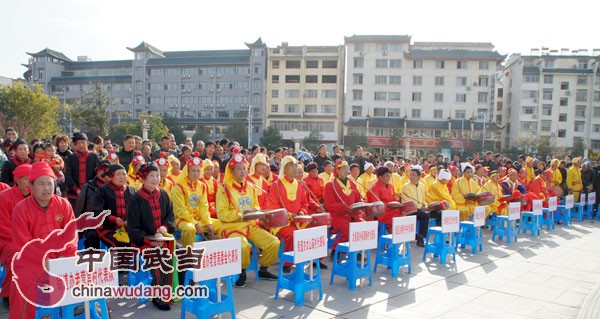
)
(562, 133)
(395, 79)
(461, 80)
(546, 126)
(531, 78)
(416, 96)
(528, 110)
(439, 80)
(528, 126)
(499, 106)
(394, 96)
(548, 79)
(438, 97)
(438, 114)
(579, 126)
(359, 63)
(380, 96)
(460, 114)
(292, 94)
(275, 64)
(417, 80)
(328, 94)
(596, 128)
(439, 64)
(380, 79)
(358, 47)
(312, 64)
(292, 108)
(311, 94)
(381, 63)
(416, 113)
(581, 96)
(595, 144)
(330, 64)
(380, 47)
(357, 110)
(564, 101)
(275, 79)
(329, 79)
(312, 79)
(393, 112)
(483, 80)
(417, 64)
(379, 112)
(562, 117)
(395, 63)
(580, 111)
(548, 64)
(500, 92)
(328, 109)
(596, 111)
(396, 47)
(357, 95)
(582, 80)
(564, 85)
(461, 97)
(547, 94)
(357, 78)
(310, 108)
(461, 64)
(292, 79)
(292, 64)
(275, 93)
(482, 97)
(547, 110)
(484, 65)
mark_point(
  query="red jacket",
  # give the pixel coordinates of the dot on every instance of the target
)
(386, 194)
(336, 202)
(315, 185)
(278, 198)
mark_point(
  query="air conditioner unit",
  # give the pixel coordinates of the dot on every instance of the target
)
(212, 76)
(218, 76)
(534, 116)
(247, 75)
(468, 88)
(211, 90)
(218, 90)
(385, 53)
(189, 76)
(535, 100)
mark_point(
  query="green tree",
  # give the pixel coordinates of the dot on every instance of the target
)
(29, 110)
(173, 127)
(271, 138)
(578, 148)
(203, 133)
(238, 131)
(90, 113)
(156, 130)
(352, 140)
(312, 141)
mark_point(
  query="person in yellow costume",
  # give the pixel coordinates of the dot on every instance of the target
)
(175, 169)
(438, 192)
(574, 184)
(190, 203)
(211, 188)
(165, 184)
(396, 179)
(556, 174)
(431, 177)
(365, 178)
(327, 174)
(529, 169)
(465, 184)
(493, 186)
(132, 178)
(233, 199)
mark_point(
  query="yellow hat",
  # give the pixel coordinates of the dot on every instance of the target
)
(285, 161)
(258, 158)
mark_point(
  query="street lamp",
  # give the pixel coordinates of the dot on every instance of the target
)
(483, 138)
(249, 126)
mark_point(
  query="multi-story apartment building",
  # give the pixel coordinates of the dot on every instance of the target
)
(305, 89)
(201, 89)
(421, 92)
(555, 96)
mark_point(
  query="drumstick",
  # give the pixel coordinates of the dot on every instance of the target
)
(416, 201)
(313, 194)
(370, 191)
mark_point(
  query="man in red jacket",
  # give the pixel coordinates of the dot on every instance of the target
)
(338, 196)
(383, 191)
(313, 181)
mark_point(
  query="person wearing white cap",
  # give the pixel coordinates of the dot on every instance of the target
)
(438, 192)
(365, 178)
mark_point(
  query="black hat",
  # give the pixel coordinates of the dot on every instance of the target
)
(113, 168)
(79, 137)
(311, 166)
(382, 170)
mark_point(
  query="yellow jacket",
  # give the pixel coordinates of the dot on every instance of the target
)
(556, 177)
(134, 181)
(438, 192)
(574, 179)
(496, 189)
(167, 185)
(428, 180)
(190, 203)
(397, 182)
(326, 177)
(461, 187)
(414, 193)
(363, 183)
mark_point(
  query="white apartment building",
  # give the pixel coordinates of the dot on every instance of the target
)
(421, 92)
(553, 95)
(305, 89)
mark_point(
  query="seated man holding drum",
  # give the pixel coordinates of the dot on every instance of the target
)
(438, 193)
(464, 193)
(234, 200)
(383, 191)
(414, 191)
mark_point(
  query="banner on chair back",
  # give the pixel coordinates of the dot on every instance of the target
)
(310, 243)
(592, 198)
(552, 203)
(404, 229)
(363, 236)
(219, 258)
(450, 221)
(76, 276)
(479, 216)
(569, 200)
(514, 211)
(537, 207)
(583, 199)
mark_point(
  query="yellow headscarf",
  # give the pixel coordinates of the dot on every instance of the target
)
(285, 161)
(258, 158)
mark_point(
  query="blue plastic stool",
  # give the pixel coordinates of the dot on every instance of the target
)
(431, 224)
(563, 214)
(389, 254)
(438, 246)
(204, 308)
(547, 219)
(299, 281)
(577, 211)
(331, 237)
(529, 222)
(350, 268)
(470, 235)
(143, 277)
(588, 211)
(490, 222)
(98, 310)
(253, 266)
(505, 228)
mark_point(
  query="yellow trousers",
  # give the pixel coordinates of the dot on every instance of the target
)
(263, 240)
(188, 233)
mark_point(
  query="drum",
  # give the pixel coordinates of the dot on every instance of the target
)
(437, 206)
(558, 191)
(408, 208)
(485, 198)
(470, 196)
(302, 221)
(253, 215)
(357, 207)
(393, 205)
(377, 208)
(276, 218)
(322, 219)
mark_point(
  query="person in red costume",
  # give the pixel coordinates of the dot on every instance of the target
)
(36, 217)
(383, 191)
(338, 196)
(8, 199)
(313, 181)
(538, 188)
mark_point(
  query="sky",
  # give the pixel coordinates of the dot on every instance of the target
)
(103, 29)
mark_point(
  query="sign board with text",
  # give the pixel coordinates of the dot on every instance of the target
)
(479, 216)
(552, 203)
(220, 258)
(450, 221)
(363, 236)
(514, 211)
(592, 198)
(404, 229)
(537, 207)
(569, 200)
(310, 243)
